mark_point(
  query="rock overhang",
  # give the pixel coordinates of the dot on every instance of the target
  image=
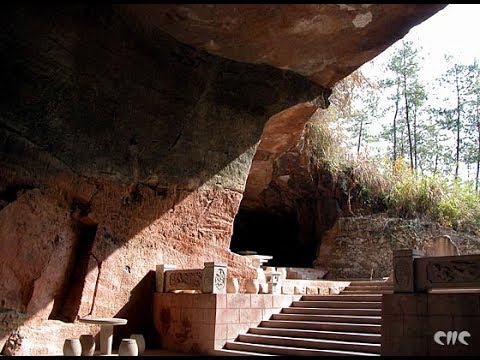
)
(322, 42)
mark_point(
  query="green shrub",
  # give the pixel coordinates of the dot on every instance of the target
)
(461, 204)
(414, 195)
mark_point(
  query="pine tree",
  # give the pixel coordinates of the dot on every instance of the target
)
(356, 102)
(472, 110)
(404, 69)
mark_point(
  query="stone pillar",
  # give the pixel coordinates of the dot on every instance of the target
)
(106, 339)
(214, 278)
(160, 276)
(272, 281)
(403, 269)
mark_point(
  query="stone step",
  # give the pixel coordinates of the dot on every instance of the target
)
(327, 325)
(320, 344)
(338, 304)
(227, 352)
(369, 282)
(365, 297)
(367, 287)
(286, 351)
(345, 324)
(386, 285)
(318, 334)
(331, 311)
(357, 319)
(372, 291)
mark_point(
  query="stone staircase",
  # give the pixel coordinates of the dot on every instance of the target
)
(345, 324)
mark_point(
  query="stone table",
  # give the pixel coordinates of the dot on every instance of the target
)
(106, 331)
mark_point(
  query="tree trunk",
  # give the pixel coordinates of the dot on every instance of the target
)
(407, 119)
(478, 147)
(457, 124)
(415, 136)
(397, 100)
(360, 135)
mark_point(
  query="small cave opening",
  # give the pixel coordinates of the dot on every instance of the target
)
(275, 234)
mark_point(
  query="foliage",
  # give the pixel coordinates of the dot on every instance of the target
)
(430, 197)
(436, 134)
(369, 183)
(398, 190)
(403, 75)
(325, 141)
(461, 204)
(413, 195)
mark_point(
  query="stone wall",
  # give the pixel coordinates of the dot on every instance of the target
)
(410, 321)
(118, 154)
(357, 245)
(203, 323)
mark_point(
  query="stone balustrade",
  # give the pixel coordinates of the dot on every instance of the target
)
(454, 272)
(209, 280)
(432, 296)
(415, 273)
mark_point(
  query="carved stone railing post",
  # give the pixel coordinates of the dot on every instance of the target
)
(272, 278)
(214, 278)
(160, 276)
(403, 269)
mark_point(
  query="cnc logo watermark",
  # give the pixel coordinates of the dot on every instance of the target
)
(451, 337)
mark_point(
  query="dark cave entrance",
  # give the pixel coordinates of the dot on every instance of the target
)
(272, 234)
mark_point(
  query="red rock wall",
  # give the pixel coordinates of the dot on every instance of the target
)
(37, 243)
(117, 155)
(324, 42)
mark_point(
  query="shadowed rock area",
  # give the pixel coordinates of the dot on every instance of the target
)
(126, 143)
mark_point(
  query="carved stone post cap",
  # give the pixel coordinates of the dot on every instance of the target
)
(214, 264)
(408, 252)
(160, 271)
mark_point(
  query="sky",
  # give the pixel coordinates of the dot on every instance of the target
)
(453, 30)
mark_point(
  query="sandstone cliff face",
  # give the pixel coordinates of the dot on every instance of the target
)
(123, 148)
(117, 156)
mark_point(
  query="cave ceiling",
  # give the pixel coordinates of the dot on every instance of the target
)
(323, 42)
